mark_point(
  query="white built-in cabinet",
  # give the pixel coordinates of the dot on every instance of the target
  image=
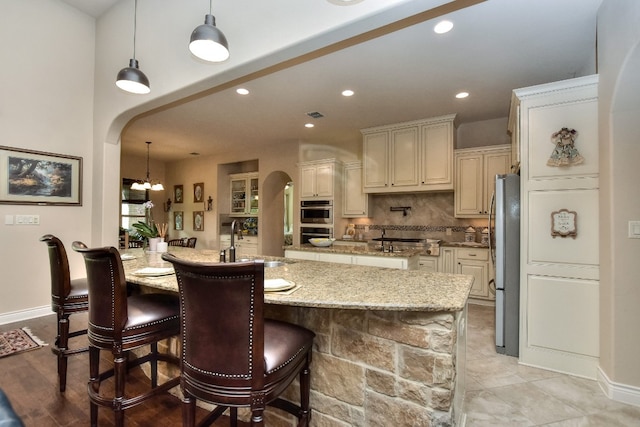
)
(409, 156)
(247, 246)
(401, 263)
(559, 276)
(317, 179)
(476, 169)
(355, 202)
(244, 194)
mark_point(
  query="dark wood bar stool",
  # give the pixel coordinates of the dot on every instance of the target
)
(118, 324)
(67, 297)
(231, 355)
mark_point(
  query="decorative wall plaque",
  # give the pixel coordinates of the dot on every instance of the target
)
(564, 223)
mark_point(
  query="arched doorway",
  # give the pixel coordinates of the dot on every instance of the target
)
(272, 213)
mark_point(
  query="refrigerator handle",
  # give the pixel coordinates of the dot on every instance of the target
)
(493, 255)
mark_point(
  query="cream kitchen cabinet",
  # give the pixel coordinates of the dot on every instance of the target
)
(317, 179)
(355, 202)
(410, 156)
(475, 178)
(244, 194)
(471, 261)
(247, 246)
(475, 262)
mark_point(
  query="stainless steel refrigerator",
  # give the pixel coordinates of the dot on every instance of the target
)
(507, 263)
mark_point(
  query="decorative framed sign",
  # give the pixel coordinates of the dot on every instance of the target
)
(178, 194)
(178, 220)
(198, 221)
(38, 178)
(198, 191)
(564, 223)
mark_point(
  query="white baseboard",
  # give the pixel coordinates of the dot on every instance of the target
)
(618, 392)
(19, 316)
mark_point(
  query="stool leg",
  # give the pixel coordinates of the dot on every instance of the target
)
(233, 416)
(94, 382)
(154, 365)
(120, 371)
(62, 344)
(305, 390)
(188, 410)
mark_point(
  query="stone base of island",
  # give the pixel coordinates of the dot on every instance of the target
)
(390, 344)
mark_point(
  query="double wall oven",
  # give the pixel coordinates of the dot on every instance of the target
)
(316, 219)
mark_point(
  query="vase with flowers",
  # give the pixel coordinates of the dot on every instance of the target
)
(148, 231)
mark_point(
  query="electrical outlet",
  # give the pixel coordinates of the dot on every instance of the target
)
(8, 220)
(634, 229)
(448, 233)
(28, 219)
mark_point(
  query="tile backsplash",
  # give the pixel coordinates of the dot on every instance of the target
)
(429, 216)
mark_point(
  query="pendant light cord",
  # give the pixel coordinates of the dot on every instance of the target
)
(135, 21)
(210, 7)
(148, 145)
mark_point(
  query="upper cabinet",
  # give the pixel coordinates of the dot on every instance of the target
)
(244, 194)
(410, 156)
(476, 169)
(355, 203)
(318, 179)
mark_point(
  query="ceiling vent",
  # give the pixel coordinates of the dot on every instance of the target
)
(315, 115)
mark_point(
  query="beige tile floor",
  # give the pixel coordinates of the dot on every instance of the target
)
(500, 392)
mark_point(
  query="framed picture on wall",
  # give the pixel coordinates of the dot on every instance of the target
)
(178, 220)
(37, 178)
(178, 194)
(198, 221)
(198, 191)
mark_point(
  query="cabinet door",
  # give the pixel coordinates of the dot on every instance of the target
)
(404, 157)
(375, 160)
(253, 195)
(238, 196)
(324, 180)
(354, 200)
(447, 260)
(469, 185)
(494, 164)
(437, 156)
(480, 272)
(429, 264)
(308, 181)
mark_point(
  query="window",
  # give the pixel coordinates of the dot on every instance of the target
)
(132, 207)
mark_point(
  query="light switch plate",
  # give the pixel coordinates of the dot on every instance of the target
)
(8, 220)
(634, 229)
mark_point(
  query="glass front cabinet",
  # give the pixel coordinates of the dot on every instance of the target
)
(244, 194)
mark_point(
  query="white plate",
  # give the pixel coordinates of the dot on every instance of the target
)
(126, 257)
(154, 271)
(275, 285)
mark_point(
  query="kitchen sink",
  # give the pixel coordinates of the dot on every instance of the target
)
(271, 264)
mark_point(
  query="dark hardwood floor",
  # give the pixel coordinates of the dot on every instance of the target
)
(30, 381)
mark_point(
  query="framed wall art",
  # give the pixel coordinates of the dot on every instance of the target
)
(198, 221)
(178, 194)
(178, 220)
(198, 192)
(30, 177)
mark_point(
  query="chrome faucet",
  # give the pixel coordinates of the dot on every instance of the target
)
(232, 248)
(382, 241)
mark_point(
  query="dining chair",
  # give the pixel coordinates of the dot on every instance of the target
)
(191, 242)
(118, 324)
(176, 242)
(231, 355)
(67, 297)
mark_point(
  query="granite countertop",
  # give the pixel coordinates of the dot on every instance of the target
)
(465, 245)
(331, 285)
(355, 250)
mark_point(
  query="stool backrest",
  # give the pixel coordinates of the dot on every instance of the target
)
(59, 265)
(107, 291)
(222, 323)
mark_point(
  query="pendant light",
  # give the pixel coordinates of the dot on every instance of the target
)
(207, 41)
(147, 184)
(131, 79)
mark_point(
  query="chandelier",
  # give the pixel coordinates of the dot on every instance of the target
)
(147, 184)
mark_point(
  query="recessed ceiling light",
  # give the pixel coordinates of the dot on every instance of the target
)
(462, 95)
(347, 92)
(443, 27)
(242, 91)
(309, 125)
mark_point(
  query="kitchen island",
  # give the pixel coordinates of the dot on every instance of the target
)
(407, 259)
(389, 347)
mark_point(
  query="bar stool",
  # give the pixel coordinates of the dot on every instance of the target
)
(67, 297)
(118, 324)
(231, 355)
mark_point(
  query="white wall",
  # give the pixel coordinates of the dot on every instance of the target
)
(619, 109)
(46, 82)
